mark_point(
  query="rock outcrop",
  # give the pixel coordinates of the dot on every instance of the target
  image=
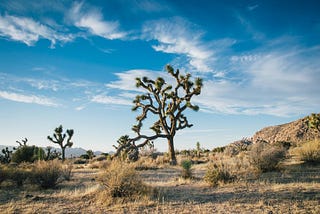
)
(294, 132)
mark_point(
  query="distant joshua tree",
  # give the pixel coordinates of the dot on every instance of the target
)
(24, 142)
(167, 103)
(59, 137)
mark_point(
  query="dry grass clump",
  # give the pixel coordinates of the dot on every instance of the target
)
(309, 151)
(16, 174)
(47, 174)
(122, 183)
(66, 171)
(265, 157)
(3, 173)
(218, 173)
(146, 163)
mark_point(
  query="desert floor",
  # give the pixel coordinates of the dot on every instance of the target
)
(296, 189)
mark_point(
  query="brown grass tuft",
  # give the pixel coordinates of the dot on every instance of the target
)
(122, 183)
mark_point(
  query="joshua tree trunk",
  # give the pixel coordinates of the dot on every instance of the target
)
(63, 153)
(172, 154)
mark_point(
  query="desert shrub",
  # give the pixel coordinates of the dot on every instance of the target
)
(284, 144)
(163, 159)
(265, 157)
(3, 173)
(28, 154)
(47, 174)
(310, 151)
(18, 175)
(145, 163)
(121, 181)
(219, 149)
(81, 161)
(66, 172)
(186, 169)
(218, 173)
(238, 146)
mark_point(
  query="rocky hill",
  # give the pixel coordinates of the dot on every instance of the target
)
(295, 132)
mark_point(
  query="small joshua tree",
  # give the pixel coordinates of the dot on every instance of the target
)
(59, 137)
(167, 103)
(24, 142)
(6, 157)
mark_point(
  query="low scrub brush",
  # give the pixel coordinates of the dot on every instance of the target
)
(265, 157)
(216, 174)
(310, 151)
(47, 174)
(121, 181)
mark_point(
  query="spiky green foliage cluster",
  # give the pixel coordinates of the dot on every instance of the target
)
(314, 121)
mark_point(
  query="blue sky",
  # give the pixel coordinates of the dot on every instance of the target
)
(74, 63)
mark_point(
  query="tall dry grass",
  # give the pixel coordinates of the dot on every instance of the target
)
(309, 151)
(47, 174)
(122, 183)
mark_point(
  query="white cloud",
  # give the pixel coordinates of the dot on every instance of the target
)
(152, 6)
(27, 98)
(104, 99)
(127, 79)
(28, 31)
(178, 36)
(92, 20)
(252, 7)
(245, 58)
(281, 83)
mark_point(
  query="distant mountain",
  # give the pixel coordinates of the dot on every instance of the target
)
(295, 132)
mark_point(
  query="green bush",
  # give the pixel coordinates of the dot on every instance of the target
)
(265, 157)
(216, 174)
(28, 154)
(310, 151)
(47, 174)
(186, 169)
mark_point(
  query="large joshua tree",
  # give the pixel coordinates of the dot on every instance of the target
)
(167, 102)
(59, 137)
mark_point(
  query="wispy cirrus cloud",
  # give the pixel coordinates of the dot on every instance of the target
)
(17, 97)
(111, 100)
(279, 82)
(126, 80)
(29, 31)
(178, 36)
(92, 20)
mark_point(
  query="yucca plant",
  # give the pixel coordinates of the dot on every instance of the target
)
(186, 169)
